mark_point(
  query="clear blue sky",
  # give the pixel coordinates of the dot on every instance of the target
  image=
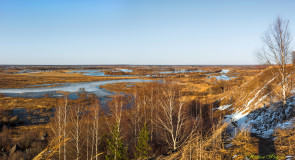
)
(136, 32)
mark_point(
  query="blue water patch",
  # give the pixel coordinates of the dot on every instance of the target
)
(71, 88)
(100, 73)
(126, 70)
(222, 76)
(182, 71)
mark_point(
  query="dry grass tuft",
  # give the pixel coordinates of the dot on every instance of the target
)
(285, 142)
(51, 149)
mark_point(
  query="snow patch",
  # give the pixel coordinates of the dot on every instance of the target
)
(238, 115)
(224, 107)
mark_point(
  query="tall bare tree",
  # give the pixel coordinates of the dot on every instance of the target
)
(277, 51)
(173, 119)
(59, 126)
(65, 124)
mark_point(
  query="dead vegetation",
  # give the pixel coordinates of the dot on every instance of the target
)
(285, 142)
(178, 113)
(52, 77)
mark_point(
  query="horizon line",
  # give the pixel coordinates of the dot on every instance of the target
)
(130, 64)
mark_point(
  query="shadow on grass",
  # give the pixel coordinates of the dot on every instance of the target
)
(266, 148)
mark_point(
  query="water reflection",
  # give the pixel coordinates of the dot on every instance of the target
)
(71, 88)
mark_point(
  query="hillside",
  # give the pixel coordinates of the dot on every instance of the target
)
(263, 89)
(256, 126)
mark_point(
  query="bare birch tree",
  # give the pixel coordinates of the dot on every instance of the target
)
(77, 134)
(277, 50)
(173, 119)
(59, 127)
(96, 139)
(75, 131)
(136, 116)
(65, 128)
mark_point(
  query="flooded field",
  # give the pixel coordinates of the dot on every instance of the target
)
(181, 71)
(25, 117)
(99, 73)
(223, 75)
(72, 88)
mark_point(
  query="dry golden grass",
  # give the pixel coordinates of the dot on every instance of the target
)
(28, 79)
(285, 142)
(196, 85)
(21, 130)
(51, 149)
(258, 90)
(212, 147)
(37, 103)
(206, 147)
(32, 103)
(126, 87)
(244, 145)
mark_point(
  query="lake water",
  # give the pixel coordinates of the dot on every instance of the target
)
(90, 72)
(223, 76)
(100, 73)
(36, 116)
(72, 88)
(167, 72)
(126, 70)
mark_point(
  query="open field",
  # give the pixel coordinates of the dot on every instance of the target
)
(28, 79)
(194, 83)
(147, 80)
(204, 84)
(197, 83)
